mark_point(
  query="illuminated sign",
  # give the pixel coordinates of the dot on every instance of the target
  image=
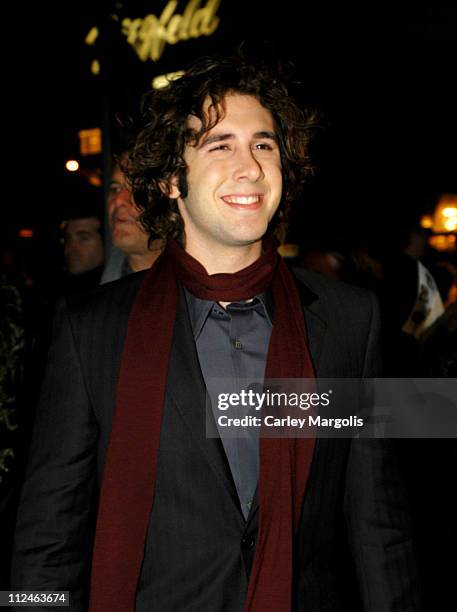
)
(90, 141)
(149, 35)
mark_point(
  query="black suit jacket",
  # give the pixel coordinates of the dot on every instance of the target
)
(199, 548)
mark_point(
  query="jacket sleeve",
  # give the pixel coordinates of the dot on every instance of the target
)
(378, 516)
(56, 518)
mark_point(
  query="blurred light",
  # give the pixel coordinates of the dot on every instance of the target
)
(91, 36)
(94, 178)
(288, 250)
(426, 221)
(25, 233)
(72, 165)
(450, 225)
(95, 67)
(443, 242)
(90, 141)
(449, 211)
(164, 79)
(445, 215)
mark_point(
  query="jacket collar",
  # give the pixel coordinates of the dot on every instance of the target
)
(316, 326)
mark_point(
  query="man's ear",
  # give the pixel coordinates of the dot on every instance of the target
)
(170, 187)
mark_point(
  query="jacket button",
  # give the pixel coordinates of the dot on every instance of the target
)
(248, 542)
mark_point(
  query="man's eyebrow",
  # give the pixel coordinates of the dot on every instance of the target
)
(215, 138)
(222, 137)
(266, 134)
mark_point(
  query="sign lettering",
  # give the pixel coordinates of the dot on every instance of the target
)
(149, 35)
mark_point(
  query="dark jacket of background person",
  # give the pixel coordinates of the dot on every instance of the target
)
(432, 472)
(197, 531)
(14, 345)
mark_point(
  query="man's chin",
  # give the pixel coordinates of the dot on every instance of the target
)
(122, 240)
(78, 271)
(246, 238)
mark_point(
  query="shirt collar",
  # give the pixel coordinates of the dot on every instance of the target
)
(199, 309)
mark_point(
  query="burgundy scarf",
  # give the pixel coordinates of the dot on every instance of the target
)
(127, 490)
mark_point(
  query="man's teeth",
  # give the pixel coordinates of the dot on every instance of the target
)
(241, 199)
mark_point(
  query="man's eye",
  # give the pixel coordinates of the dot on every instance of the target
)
(222, 147)
(263, 146)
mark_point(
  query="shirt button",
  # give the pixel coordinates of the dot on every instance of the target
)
(238, 344)
(248, 542)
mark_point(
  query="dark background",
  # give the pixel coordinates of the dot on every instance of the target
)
(383, 80)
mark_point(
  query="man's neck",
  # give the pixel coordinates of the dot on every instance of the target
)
(221, 259)
(144, 260)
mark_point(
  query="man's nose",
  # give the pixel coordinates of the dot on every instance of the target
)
(71, 246)
(247, 167)
(123, 197)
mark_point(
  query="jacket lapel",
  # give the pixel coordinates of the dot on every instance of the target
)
(316, 327)
(186, 390)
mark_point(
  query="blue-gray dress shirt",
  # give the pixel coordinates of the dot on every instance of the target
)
(232, 343)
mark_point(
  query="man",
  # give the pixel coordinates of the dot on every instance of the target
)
(133, 251)
(83, 250)
(82, 234)
(186, 522)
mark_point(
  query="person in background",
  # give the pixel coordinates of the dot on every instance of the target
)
(445, 275)
(132, 248)
(83, 235)
(83, 249)
(14, 348)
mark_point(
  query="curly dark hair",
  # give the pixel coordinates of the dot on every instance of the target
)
(163, 134)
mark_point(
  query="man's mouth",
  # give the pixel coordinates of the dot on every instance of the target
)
(246, 202)
(123, 220)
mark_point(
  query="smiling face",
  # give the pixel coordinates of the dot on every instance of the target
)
(234, 185)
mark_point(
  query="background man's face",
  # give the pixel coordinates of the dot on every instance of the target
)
(83, 245)
(234, 178)
(126, 232)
